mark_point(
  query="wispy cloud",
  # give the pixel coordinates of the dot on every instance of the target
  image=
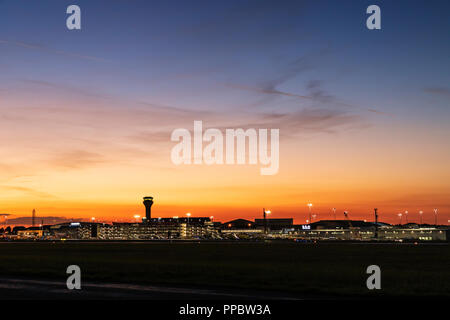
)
(316, 94)
(29, 191)
(45, 49)
(291, 124)
(65, 87)
(267, 90)
(312, 120)
(444, 91)
(76, 159)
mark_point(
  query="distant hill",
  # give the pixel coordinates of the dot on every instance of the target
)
(38, 220)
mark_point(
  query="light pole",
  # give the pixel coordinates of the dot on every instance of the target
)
(421, 216)
(400, 217)
(435, 216)
(265, 213)
(187, 225)
(334, 213)
(309, 207)
(406, 216)
(376, 222)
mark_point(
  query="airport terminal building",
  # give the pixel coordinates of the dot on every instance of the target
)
(155, 229)
(339, 230)
(203, 228)
(366, 231)
(161, 228)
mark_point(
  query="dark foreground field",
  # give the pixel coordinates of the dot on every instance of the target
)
(303, 270)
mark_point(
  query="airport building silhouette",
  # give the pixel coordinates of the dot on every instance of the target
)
(198, 228)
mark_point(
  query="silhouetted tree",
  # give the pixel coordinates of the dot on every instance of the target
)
(17, 228)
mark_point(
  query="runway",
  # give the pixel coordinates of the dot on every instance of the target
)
(38, 289)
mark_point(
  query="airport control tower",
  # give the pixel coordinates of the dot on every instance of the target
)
(148, 201)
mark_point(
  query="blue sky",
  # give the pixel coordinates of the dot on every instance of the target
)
(196, 48)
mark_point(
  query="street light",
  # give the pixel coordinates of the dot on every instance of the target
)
(334, 212)
(265, 213)
(93, 219)
(309, 207)
(421, 216)
(187, 224)
(375, 210)
(406, 216)
(400, 216)
(435, 216)
(211, 218)
(136, 216)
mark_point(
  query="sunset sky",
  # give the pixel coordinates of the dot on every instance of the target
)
(86, 116)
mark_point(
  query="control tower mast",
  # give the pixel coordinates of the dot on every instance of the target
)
(148, 201)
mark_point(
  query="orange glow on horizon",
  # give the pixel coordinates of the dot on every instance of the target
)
(104, 160)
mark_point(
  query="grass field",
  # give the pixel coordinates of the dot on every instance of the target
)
(329, 269)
